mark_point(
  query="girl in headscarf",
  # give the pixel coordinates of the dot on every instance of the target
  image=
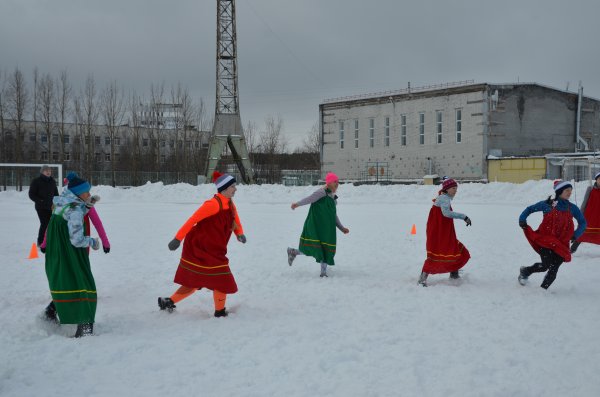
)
(318, 238)
(445, 254)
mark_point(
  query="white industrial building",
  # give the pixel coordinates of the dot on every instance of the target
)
(451, 129)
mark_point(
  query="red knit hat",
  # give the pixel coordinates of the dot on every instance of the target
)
(448, 183)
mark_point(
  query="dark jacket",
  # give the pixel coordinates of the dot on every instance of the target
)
(42, 190)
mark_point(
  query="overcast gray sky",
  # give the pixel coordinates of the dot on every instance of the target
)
(294, 54)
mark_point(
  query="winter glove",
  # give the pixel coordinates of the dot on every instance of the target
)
(92, 200)
(174, 244)
(106, 249)
(467, 221)
(522, 224)
(94, 243)
(43, 249)
(241, 238)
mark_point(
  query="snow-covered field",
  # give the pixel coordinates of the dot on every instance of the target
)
(367, 330)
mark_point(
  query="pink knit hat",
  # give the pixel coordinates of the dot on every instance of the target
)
(331, 177)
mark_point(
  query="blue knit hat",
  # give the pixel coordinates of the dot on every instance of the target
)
(78, 185)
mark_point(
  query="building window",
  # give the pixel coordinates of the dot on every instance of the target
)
(172, 143)
(163, 158)
(421, 128)
(106, 156)
(107, 140)
(117, 141)
(438, 122)
(54, 156)
(98, 158)
(44, 138)
(403, 130)
(31, 137)
(54, 138)
(97, 140)
(356, 133)
(44, 155)
(387, 132)
(87, 140)
(341, 127)
(371, 132)
(163, 143)
(66, 139)
(67, 156)
(458, 125)
(145, 142)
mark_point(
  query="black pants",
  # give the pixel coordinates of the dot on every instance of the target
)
(550, 262)
(44, 216)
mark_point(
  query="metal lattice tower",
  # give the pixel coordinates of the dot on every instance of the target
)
(227, 127)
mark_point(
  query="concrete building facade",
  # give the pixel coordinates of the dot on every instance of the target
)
(450, 129)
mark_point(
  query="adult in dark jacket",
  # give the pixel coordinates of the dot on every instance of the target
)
(41, 191)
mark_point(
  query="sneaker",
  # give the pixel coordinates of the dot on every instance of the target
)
(50, 313)
(454, 275)
(522, 277)
(221, 313)
(166, 304)
(423, 279)
(291, 255)
(85, 329)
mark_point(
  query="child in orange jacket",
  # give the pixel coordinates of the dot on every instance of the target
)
(203, 262)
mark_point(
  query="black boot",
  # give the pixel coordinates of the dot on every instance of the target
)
(50, 312)
(454, 275)
(423, 279)
(574, 246)
(85, 329)
(221, 313)
(166, 304)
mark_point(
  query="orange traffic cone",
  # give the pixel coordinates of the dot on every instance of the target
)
(413, 230)
(33, 254)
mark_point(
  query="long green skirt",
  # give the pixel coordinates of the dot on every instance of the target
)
(318, 237)
(69, 275)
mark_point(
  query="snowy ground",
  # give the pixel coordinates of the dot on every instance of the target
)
(367, 330)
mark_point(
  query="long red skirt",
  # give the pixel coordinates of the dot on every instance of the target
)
(592, 216)
(445, 253)
(554, 233)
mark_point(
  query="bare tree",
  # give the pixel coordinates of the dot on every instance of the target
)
(272, 144)
(185, 114)
(4, 151)
(113, 112)
(157, 120)
(17, 100)
(63, 91)
(135, 123)
(35, 110)
(312, 145)
(46, 103)
(78, 143)
(250, 135)
(90, 119)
